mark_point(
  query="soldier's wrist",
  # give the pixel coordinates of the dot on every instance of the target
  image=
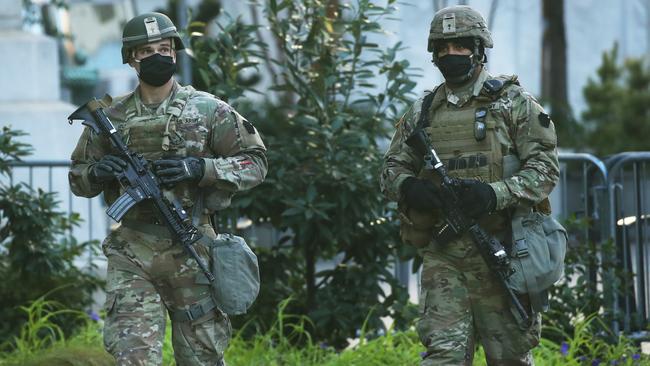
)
(502, 194)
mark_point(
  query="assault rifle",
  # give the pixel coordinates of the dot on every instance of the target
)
(457, 223)
(139, 182)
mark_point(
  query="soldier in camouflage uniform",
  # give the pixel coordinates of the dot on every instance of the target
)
(497, 140)
(203, 151)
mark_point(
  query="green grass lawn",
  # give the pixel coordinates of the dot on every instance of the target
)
(401, 348)
(42, 343)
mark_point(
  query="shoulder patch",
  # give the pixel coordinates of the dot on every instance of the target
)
(544, 119)
(249, 126)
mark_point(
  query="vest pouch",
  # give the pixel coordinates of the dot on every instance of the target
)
(511, 165)
(217, 199)
(236, 272)
(416, 227)
(537, 257)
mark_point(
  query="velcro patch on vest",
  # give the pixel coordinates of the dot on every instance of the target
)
(474, 161)
(249, 126)
(449, 23)
(151, 25)
(544, 119)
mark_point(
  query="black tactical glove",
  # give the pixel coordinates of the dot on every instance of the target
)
(106, 169)
(476, 198)
(420, 194)
(175, 170)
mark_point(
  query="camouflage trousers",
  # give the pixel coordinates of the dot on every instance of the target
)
(462, 304)
(149, 275)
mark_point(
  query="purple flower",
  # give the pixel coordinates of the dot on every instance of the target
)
(613, 362)
(636, 356)
(595, 362)
(93, 315)
(424, 354)
(564, 348)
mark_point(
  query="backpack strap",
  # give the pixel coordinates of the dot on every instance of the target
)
(427, 101)
(197, 210)
(539, 299)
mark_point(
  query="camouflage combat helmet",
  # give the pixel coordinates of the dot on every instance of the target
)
(145, 28)
(458, 22)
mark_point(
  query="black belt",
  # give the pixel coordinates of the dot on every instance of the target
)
(154, 226)
(474, 161)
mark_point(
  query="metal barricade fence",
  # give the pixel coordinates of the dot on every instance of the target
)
(612, 195)
(580, 197)
(628, 186)
(52, 176)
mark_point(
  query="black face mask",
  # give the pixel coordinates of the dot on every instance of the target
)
(456, 69)
(157, 69)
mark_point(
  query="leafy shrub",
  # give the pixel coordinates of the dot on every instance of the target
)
(36, 251)
(591, 271)
(277, 347)
(334, 96)
(41, 341)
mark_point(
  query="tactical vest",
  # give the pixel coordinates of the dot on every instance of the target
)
(175, 133)
(469, 141)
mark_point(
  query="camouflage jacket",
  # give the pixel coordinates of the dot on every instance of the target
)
(197, 124)
(521, 128)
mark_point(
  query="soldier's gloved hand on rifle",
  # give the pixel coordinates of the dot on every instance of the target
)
(420, 194)
(476, 198)
(106, 169)
(172, 171)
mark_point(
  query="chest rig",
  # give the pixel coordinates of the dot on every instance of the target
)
(179, 131)
(471, 140)
(173, 133)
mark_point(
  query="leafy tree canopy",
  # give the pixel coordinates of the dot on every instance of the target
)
(618, 100)
(335, 94)
(37, 252)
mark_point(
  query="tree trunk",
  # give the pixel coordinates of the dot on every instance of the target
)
(554, 69)
(554, 74)
(646, 7)
(310, 275)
